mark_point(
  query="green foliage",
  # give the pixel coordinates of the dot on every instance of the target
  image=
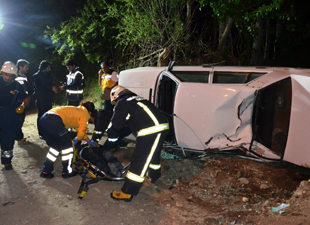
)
(89, 32)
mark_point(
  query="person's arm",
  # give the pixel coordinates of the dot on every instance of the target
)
(100, 72)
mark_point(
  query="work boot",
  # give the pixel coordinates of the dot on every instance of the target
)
(68, 175)
(46, 175)
(119, 195)
(8, 166)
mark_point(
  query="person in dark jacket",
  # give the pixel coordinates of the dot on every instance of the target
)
(151, 127)
(22, 69)
(44, 87)
(12, 94)
(75, 84)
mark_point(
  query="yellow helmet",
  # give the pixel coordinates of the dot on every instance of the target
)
(9, 67)
(115, 93)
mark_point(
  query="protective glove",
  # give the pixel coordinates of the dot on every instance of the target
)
(92, 143)
(75, 141)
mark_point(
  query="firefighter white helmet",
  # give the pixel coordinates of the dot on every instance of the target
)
(9, 67)
(115, 93)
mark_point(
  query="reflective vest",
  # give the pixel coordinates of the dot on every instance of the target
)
(75, 91)
(106, 81)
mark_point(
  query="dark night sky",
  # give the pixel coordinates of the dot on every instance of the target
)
(23, 24)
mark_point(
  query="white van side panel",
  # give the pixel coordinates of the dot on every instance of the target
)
(218, 115)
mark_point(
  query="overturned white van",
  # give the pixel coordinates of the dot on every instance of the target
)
(263, 111)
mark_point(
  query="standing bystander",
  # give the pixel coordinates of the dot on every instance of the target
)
(44, 87)
(108, 78)
(11, 94)
(22, 69)
(75, 84)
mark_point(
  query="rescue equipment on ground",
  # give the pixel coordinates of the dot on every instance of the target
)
(91, 174)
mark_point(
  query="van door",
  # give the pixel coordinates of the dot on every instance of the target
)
(166, 90)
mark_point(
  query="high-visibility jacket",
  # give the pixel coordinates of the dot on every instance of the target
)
(74, 117)
(141, 116)
(75, 85)
(108, 79)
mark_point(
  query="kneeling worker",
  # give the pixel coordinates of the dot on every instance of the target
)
(150, 127)
(54, 126)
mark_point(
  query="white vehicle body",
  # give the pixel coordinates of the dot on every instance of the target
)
(263, 111)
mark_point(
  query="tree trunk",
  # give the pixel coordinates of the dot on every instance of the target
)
(224, 35)
(257, 43)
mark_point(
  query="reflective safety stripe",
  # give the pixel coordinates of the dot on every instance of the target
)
(148, 111)
(7, 154)
(98, 132)
(113, 139)
(149, 158)
(128, 116)
(134, 177)
(54, 152)
(75, 92)
(155, 167)
(67, 157)
(66, 151)
(153, 129)
(51, 157)
(110, 125)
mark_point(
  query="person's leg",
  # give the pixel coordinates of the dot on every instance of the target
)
(154, 171)
(47, 124)
(19, 132)
(8, 126)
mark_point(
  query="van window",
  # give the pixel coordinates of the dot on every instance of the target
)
(235, 77)
(193, 77)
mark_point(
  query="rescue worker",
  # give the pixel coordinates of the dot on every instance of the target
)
(22, 69)
(44, 87)
(75, 84)
(150, 127)
(108, 78)
(54, 126)
(11, 93)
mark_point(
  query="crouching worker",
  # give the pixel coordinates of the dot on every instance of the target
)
(150, 127)
(54, 126)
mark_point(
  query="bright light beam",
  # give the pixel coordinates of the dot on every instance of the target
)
(1, 24)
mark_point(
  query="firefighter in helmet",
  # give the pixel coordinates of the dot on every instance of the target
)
(150, 127)
(12, 96)
(54, 126)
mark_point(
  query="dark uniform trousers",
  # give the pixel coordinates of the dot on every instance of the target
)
(8, 127)
(146, 153)
(58, 139)
(21, 119)
(43, 105)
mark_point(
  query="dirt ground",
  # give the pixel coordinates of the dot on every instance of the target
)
(208, 190)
